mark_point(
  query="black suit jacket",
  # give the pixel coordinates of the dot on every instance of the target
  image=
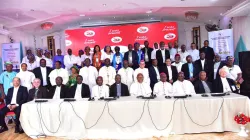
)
(209, 52)
(64, 92)
(85, 91)
(153, 76)
(149, 54)
(208, 68)
(164, 69)
(38, 74)
(22, 95)
(218, 87)
(41, 93)
(134, 58)
(159, 57)
(222, 64)
(113, 92)
(185, 69)
(199, 88)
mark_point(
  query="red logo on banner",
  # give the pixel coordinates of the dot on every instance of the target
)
(89, 33)
(169, 36)
(142, 30)
(116, 39)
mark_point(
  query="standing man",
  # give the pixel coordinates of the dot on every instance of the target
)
(87, 54)
(154, 74)
(194, 52)
(58, 72)
(59, 91)
(108, 73)
(132, 57)
(16, 96)
(117, 59)
(183, 53)
(218, 64)
(182, 86)
(177, 62)
(89, 73)
(139, 52)
(48, 59)
(172, 51)
(153, 53)
(42, 73)
(38, 92)
(79, 58)
(33, 63)
(6, 79)
(126, 74)
(147, 54)
(170, 71)
(162, 54)
(25, 59)
(208, 51)
(39, 55)
(69, 60)
(189, 70)
(79, 90)
(202, 85)
(118, 88)
(143, 71)
(163, 87)
(58, 57)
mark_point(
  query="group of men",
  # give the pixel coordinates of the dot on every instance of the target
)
(144, 72)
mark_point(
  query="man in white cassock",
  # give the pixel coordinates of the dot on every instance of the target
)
(140, 88)
(69, 60)
(88, 73)
(100, 90)
(58, 72)
(182, 86)
(127, 74)
(143, 71)
(163, 87)
(108, 73)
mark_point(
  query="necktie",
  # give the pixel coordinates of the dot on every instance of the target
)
(36, 93)
(207, 90)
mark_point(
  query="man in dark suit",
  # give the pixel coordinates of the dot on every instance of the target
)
(223, 84)
(162, 54)
(79, 90)
(132, 57)
(38, 92)
(118, 89)
(16, 96)
(189, 69)
(58, 91)
(154, 74)
(42, 73)
(206, 65)
(208, 51)
(170, 71)
(202, 85)
(147, 54)
(218, 64)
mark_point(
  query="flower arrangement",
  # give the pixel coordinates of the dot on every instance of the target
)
(241, 118)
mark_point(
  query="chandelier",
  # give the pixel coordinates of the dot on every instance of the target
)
(47, 25)
(191, 15)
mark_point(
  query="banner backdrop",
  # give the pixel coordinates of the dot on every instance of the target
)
(121, 35)
(11, 52)
(222, 42)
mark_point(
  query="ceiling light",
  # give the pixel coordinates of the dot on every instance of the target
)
(103, 4)
(149, 12)
(82, 15)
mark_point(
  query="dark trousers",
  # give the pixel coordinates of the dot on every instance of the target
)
(4, 111)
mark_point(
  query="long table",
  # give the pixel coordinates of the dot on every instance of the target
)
(132, 118)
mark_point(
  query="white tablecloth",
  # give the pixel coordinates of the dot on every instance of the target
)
(126, 111)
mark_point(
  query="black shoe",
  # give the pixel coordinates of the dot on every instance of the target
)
(3, 129)
(20, 130)
(16, 130)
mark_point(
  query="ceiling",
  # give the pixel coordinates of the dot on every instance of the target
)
(27, 15)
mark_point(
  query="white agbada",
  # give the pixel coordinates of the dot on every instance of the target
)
(163, 88)
(140, 89)
(145, 74)
(153, 54)
(178, 66)
(232, 72)
(108, 75)
(25, 59)
(39, 58)
(127, 76)
(49, 62)
(100, 91)
(59, 72)
(87, 56)
(183, 88)
(79, 60)
(172, 52)
(183, 56)
(89, 75)
(195, 54)
(105, 55)
(69, 61)
(31, 66)
(26, 78)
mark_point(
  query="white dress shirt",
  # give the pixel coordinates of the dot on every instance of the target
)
(31, 66)
(79, 60)
(157, 73)
(140, 89)
(108, 75)
(183, 88)
(14, 96)
(59, 72)
(57, 94)
(202, 64)
(183, 56)
(39, 58)
(226, 86)
(195, 54)
(89, 75)
(78, 93)
(170, 76)
(44, 75)
(100, 91)
(105, 55)
(145, 74)
(178, 66)
(216, 66)
(69, 61)
(49, 62)
(163, 88)
(87, 56)
(153, 54)
(163, 55)
(127, 76)
(172, 52)
(233, 72)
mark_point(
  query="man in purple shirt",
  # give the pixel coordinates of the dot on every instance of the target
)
(58, 57)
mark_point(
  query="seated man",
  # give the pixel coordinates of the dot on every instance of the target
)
(144, 71)
(182, 86)
(163, 87)
(223, 84)
(100, 90)
(58, 91)
(80, 90)
(118, 89)
(140, 88)
(38, 91)
(16, 96)
(202, 85)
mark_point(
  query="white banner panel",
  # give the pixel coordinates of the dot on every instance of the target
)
(222, 42)
(11, 53)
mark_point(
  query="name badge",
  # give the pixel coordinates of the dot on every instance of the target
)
(97, 60)
(233, 88)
